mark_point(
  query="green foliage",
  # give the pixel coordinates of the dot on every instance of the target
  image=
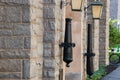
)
(114, 34)
(97, 75)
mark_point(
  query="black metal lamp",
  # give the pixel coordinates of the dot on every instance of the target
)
(67, 52)
(97, 7)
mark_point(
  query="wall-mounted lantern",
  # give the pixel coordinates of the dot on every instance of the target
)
(97, 7)
(76, 5)
(67, 44)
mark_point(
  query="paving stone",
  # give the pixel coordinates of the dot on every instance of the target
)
(114, 75)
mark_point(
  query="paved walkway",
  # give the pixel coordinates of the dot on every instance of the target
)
(115, 75)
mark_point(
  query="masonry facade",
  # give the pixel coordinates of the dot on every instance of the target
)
(30, 34)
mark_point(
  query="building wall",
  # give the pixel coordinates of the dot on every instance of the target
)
(74, 71)
(95, 38)
(20, 39)
(52, 36)
(97, 46)
(100, 35)
(30, 34)
(104, 34)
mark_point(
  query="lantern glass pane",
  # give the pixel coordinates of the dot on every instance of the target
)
(96, 11)
(76, 4)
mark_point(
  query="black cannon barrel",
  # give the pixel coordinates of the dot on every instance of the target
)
(67, 44)
(89, 53)
(67, 56)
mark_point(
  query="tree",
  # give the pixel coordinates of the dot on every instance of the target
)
(114, 36)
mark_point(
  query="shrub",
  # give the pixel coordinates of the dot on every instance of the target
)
(97, 75)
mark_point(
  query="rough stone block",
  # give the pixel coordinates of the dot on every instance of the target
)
(51, 73)
(49, 1)
(14, 54)
(15, 1)
(10, 76)
(49, 36)
(5, 32)
(2, 11)
(50, 25)
(36, 68)
(45, 74)
(37, 53)
(2, 14)
(21, 29)
(49, 63)
(26, 14)
(37, 30)
(48, 78)
(13, 14)
(47, 46)
(47, 52)
(49, 12)
(10, 66)
(27, 42)
(13, 42)
(2, 18)
(2, 43)
(26, 69)
(36, 3)
(6, 26)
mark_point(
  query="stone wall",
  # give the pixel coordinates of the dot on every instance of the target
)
(30, 34)
(100, 35)
(104, 34)
(52, 36)
(21, 39)
(76, 26)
